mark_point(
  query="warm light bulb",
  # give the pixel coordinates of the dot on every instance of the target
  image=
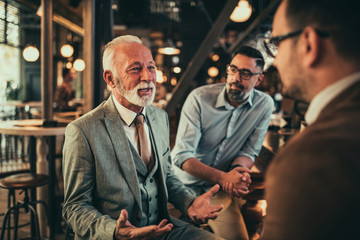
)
(177, 70)
(169, 51)
(67, 50)
(68, 65)
(79, 65)
(159, 76)
(31, 53)
(242, 12)
(173, 81)
(213, 71)
(215, 57)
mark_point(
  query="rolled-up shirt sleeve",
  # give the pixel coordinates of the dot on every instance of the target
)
(189, 132)
(215, 133)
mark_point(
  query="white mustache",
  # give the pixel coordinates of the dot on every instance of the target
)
(145, 85)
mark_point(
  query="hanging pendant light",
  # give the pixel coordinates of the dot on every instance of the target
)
(242, 12)
(31, 53)
(169, 48)
(79, 65)
(67, 50)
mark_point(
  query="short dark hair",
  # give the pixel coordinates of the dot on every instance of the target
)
(65, 72)
(251, 53)
(340, 19)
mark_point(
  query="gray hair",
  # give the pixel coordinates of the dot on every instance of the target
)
(109, 50)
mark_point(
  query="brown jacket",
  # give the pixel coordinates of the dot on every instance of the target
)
(313, 184)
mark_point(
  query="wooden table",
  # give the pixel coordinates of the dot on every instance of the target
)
(42, 160)
(22, 109)
(21, 104)
(67, 117)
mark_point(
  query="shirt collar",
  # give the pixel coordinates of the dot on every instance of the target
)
(319, 102)
(221, 100)
(126, 115)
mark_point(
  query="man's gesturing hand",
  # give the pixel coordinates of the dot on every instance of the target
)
(200, 211)
(125, 230)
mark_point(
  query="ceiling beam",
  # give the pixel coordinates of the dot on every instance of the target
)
(200, 56)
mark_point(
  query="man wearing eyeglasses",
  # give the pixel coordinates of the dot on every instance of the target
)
(313, 184)
(221, 130)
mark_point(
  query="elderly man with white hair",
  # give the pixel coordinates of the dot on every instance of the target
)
(117, 167)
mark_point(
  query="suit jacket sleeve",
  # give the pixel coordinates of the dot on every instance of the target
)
(79, 184)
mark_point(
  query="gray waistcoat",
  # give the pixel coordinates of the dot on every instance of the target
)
(148, 184)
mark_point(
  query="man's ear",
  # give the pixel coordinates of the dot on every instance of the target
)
(109, 78)
(311, 47)
(259, 80)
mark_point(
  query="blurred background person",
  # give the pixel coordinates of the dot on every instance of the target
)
(64, 93)
(160, 99)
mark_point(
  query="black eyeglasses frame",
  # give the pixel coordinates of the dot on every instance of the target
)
(277, 39)
(240, 72)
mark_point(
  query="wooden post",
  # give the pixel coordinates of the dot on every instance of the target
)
(46, 60)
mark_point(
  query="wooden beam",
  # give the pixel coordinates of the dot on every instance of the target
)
(46, 60)
(200, 56)
(89, 53)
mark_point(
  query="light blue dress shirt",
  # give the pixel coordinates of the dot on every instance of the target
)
(215, 132)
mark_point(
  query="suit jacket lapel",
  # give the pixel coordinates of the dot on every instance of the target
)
(158, 144)
(122, 148)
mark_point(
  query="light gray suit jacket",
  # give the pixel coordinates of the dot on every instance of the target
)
(100, 178)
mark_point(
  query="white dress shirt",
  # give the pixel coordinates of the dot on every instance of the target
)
(128, 120)
(325, 96)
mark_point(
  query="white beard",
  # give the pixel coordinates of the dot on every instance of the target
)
(132, 95)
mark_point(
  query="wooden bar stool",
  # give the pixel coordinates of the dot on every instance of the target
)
(25, 182)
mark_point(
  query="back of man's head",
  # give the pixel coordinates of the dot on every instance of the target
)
(340, 19)
(251, 53)
(109, 50)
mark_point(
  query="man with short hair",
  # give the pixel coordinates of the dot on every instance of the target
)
(313, 184)
(116, 160)
(64, 93)
(221, 131)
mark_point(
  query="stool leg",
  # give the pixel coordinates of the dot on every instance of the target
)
(6, 220)
(16, 219)
(36, 219)
(11, 195)
(9, 225)
(45, 207)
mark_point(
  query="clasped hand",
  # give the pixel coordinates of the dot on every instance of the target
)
(236, 182)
